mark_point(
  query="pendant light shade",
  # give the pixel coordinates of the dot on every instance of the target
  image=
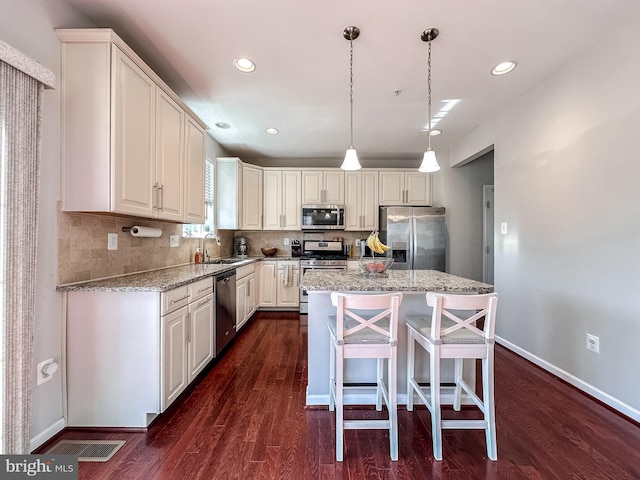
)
(351, 160)
(351, 157)
(429, 161)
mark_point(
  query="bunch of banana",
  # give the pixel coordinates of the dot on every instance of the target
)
(374, 243)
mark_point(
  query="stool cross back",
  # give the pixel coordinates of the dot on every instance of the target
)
(452, 332)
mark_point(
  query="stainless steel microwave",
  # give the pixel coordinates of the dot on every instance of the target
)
(323, 217)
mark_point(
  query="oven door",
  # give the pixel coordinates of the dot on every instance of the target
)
(304, 299)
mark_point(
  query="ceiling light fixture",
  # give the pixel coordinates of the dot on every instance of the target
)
(272, 131)
(223, 125)
(435, 132)
(351, 157)
(244, 65)
(429, 162)
(504, 67)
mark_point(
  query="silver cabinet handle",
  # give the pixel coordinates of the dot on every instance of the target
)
(179, 299)
(161, 197)
(204, 302)
(188, 320)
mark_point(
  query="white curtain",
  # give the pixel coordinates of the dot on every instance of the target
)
(20, 145)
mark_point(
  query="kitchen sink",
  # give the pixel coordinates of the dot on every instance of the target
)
(225, 261)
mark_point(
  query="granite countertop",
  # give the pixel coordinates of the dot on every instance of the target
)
(162, 279)
(396, 281)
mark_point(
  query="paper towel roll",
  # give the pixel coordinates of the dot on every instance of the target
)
(145, 232)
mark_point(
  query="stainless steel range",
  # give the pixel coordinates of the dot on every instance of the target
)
(320, 254)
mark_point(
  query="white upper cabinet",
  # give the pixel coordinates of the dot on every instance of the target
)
(361, 200)
(125, 134)
(194, 163)
(251, 197)
(404, 187)
(323, 187)
(281, 205)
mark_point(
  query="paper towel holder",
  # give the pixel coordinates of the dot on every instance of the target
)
(136, 228)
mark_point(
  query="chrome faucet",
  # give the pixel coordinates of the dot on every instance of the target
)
(205, 254)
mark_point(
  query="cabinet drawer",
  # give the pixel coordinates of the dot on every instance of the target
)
(174, 299)
(245, 270)
(200, 288)
(295, 264)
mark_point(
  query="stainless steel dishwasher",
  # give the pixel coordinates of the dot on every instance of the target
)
(225, 309)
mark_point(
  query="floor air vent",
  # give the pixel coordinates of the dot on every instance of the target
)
(88, 450)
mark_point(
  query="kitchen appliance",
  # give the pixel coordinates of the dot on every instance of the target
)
(323, 217)
(417, 237)
(320, 255)
(225, 289)
(296, 248)
(241, 247)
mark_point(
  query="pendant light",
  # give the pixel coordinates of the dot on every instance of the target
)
(351, 157)
(429, 162)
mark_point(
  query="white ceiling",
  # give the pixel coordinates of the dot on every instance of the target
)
(301, 83)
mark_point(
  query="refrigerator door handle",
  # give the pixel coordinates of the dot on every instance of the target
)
(414, 243)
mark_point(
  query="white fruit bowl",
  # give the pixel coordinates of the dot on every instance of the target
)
(375, 265)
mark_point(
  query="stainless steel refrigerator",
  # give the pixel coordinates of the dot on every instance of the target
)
(417, 237)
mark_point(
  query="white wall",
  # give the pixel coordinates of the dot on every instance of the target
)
(28, 26)
(566, 182)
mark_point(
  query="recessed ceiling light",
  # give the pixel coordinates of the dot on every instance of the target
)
(272, 131)
(434, 132)
(244, 65)
(223, 125)
(504, 67)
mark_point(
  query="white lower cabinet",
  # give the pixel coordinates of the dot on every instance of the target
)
(280, 283)
(130, 354)
(246, 295)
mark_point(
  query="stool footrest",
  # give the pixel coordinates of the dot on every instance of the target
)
(366, 424)
(464, 424)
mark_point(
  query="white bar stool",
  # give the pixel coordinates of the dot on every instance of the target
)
(365, 326)
(457, 337)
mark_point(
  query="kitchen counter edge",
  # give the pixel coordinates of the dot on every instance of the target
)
(162, 279)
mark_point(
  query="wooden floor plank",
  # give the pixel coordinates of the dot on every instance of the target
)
(247, 419)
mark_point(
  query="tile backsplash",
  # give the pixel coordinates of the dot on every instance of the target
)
(83, 254)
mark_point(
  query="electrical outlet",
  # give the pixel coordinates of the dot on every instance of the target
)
(503, 228)
(112, 241)
(593, 343)
(174, 241)
(286, 241)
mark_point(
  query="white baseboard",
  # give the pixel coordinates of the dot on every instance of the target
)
(47, 434)
(604, 397)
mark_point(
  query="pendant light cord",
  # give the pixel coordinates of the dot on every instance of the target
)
(351, 93)
(429, 89)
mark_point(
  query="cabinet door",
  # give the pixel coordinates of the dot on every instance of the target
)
(194, 163)
(391, 188)
(369, 206)
(251, 295)
(268, 291)
(169, 179)
(291, 200)
(312, 187)
(200, 335)
(175, 372)
(272, 205)
(418, 186)
(241, 302)
(288, 295)
(353, 200)
(333, 187)
(251, 198)
(133, 148)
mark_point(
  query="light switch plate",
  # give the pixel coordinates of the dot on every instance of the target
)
(286, 241)
(112, 241)
(503, 228)
(174, 241)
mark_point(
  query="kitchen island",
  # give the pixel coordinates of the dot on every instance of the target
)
(413, 284)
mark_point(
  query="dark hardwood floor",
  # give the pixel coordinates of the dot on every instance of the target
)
(247, 420)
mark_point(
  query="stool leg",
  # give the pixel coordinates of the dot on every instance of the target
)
(411, 349)
(489, 404)
(332, 374)
(392, 389)
(379, 383)
(436, 414)
(457, 393)
(339, 403)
